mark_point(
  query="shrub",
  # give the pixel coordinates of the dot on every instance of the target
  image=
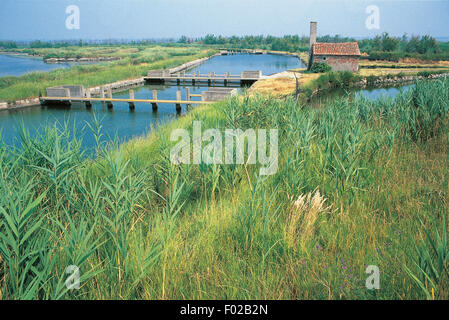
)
(371, 79)
(320, 67)
(424, 74)
(323, 81)
(346, 78)
(332, 80)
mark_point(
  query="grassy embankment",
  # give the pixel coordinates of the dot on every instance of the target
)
(134, 51)
(359, 183)
(135, 63)
(285, 84)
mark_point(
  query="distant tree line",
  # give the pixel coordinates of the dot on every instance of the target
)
(384, 46)
(413, 44)
(8, 44)
(291, 43)
(381, 47)
(39, 44)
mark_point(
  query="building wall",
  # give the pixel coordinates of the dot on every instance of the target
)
(340, 63)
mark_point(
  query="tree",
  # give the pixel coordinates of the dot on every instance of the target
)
(428, 44)
(8, 44)
(389, 43)
(209, 39)
(40, 44)
(413, 45)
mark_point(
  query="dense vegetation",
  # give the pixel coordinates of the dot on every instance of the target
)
(291, 43)
(8, 45)
(359, 183)
(320, 67)
(414, 44)
(386, 47)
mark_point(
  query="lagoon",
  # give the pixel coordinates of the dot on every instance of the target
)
(120, 121)
(18, 65)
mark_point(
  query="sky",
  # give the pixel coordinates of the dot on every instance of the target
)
(152, 19)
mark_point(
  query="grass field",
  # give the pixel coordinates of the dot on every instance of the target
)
(134, 51)
(409, 67)
(359, 183)
(135, 63)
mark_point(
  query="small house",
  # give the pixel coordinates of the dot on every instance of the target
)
(342, 56)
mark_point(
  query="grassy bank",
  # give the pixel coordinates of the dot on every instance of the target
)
(136, 50)
(359, 183)
(348, 80)
(369, 74)
(133, 66)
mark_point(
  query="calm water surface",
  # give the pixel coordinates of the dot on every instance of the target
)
(120, 121)
(268, 63)
(370, 94)
(124, 124)
(15, 65)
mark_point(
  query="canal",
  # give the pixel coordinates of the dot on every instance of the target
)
(120, 121)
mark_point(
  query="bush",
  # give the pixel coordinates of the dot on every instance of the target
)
(320, 67)
(371, 80)
(346, 78)
(332, 80)
(424, 74)
(323, 81)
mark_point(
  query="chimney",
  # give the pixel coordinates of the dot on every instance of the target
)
(313, 29)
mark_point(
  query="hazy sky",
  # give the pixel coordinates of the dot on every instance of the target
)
(137, 19)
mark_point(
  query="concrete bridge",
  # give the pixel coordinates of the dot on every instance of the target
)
(225, 52)
(66, 95)
(164, 76)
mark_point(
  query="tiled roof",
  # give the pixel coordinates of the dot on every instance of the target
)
(336, 49)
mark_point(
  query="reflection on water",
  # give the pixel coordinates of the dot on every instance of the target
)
(370, 94)
(267, 63)
(120, 120)
(378, 93)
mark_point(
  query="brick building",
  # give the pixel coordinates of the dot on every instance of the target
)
(342, 56)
